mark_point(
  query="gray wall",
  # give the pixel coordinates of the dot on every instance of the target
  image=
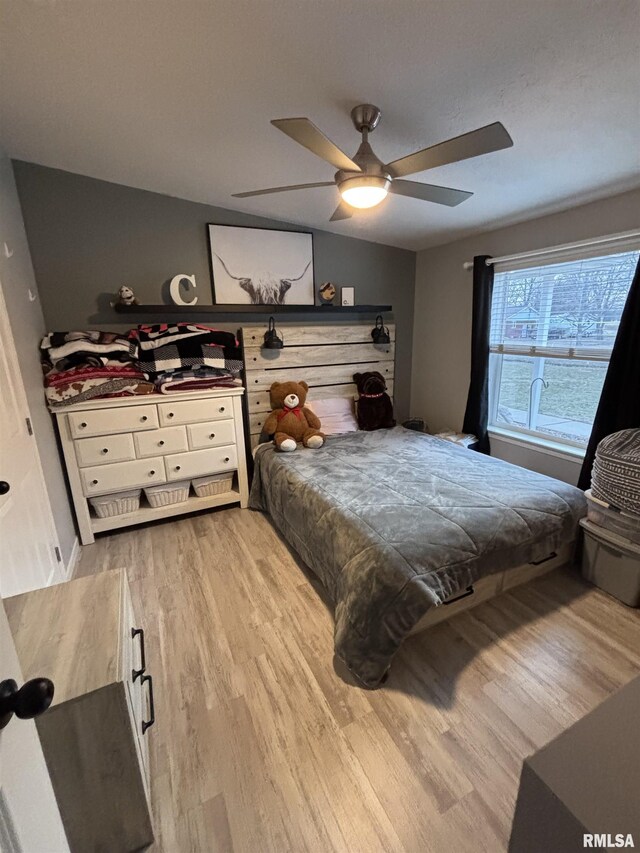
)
(27, 326)
(88, 237)
(442, 322)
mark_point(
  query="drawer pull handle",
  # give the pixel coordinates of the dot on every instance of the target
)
(170, 415)
(83, 424)
(151, 473)
(144, 418)
(161, 444)
(469, 591)
(94, 482)
(136, 673)
(226, 459)
(105, 449)
(221, 409)
(146, 724)
(177, 467)
(212, 435)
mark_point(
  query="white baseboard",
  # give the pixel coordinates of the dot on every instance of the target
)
(72, 561)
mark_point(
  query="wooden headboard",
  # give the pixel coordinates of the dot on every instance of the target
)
(325, 356)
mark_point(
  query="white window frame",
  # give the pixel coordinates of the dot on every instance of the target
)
(529, 436)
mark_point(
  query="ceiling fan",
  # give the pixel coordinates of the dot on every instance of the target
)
(364, 180)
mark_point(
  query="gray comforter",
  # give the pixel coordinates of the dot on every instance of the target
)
(393, 522)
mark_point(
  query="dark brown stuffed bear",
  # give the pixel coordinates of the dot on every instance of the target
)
(374, 409)
(291, 421)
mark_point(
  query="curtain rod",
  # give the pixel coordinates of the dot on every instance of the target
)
(581, 244)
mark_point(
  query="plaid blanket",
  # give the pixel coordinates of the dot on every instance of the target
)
(187, 355)
(164, 348)
(147, 337)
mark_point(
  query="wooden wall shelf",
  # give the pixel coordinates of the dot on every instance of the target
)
(315, 310)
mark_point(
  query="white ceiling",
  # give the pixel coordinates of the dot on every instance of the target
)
(177, 96)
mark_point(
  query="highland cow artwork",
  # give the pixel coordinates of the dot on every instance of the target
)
(260, 266)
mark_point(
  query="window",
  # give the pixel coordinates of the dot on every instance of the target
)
(552, 331)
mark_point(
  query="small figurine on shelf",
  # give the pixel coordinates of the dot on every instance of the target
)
(126, 296)
(327, 293)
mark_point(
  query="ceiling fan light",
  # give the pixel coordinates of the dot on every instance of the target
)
(366, 191)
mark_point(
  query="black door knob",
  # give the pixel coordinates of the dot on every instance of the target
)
(33, 699)
(4, 487)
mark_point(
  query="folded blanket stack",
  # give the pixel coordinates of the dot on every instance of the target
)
(81, 366)
(616, 471)
(186, 356)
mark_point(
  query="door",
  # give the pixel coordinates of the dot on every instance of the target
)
(29, 818)
(28, 536)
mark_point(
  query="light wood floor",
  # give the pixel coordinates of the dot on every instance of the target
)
(259, 746)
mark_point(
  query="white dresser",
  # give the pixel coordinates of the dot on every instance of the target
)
(83, 635)
(113, 445)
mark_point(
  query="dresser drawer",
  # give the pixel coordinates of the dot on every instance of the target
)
(211, 434)
(197, 463)
(192, 411)
(123, 475)
(107, 421)
(105, 449)
(167, 440)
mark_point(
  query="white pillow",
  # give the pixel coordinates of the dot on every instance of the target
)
(336, 415)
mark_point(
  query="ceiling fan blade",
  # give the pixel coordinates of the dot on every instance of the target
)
(342, 211)
(493, 137)
(429, 192)
(305, 133)
(283, 189)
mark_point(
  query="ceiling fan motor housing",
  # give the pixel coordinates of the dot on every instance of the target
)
(365, 117)
(373, 172)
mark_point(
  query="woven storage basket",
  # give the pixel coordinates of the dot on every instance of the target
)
(167, 493)
(216, 484)
(616, 471)
(106, 506)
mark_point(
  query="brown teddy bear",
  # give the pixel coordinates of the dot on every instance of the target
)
(291, 421)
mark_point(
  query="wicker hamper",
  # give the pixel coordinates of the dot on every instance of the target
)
(167, 493)
(215, 484)
(106, 506)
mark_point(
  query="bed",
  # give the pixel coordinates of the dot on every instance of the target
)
(403, 529)
(396, 523)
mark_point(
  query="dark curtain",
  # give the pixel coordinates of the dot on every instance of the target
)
(476, 416)
(619, 406)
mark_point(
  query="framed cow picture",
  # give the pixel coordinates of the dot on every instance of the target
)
(261, 266)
